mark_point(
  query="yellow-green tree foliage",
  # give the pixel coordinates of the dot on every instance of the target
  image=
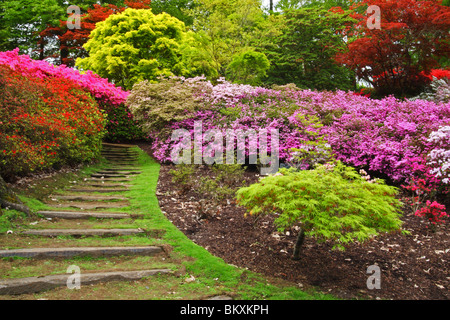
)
(136, 45)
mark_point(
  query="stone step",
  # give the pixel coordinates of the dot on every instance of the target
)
(82, 232)
(121, 169)
(122, 162)
(84, 215)
(110, 179)
(91, 205)
(118, 151)
(117, 145)
(121, 172)
(101, 190)
(114, 154)
(74, 197)
(38, 284)
(106, 185)
(108, 175)
(118, 159)
(69, 252)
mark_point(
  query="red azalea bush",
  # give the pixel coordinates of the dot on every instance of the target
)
(45, 122)
(436, 73)
(434, 212)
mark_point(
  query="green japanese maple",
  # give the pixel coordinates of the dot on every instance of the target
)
(331, 202)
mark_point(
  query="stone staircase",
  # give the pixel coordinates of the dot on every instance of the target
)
(100, 197)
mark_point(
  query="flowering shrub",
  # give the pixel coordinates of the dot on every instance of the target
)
(439, 156)
(53, 122)
(100, 88)
(378, 135)
(436, 74)
(109, 97)
(121, 125)
(382, 135)
(434, 212)
(437, 91)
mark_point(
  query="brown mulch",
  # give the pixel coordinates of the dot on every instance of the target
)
(413, 267)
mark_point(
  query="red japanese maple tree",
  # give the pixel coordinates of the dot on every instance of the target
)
(396, 57)
(71, 41)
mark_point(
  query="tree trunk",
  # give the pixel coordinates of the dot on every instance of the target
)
(298, 244)
(8, 199)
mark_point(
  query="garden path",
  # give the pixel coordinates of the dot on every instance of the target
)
(106, 189)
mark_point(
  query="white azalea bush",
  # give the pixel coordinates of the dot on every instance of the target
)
(439, 157)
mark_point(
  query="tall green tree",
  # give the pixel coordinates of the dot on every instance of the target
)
(224, 29)
(249, 67)
(176, 8)
(22, 20)
(303, 53)
(283, 5)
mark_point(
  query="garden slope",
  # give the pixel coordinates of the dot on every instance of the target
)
(412, 267)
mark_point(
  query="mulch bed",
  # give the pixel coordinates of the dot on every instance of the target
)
(413, 267)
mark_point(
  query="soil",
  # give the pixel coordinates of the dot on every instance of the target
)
(412, 267)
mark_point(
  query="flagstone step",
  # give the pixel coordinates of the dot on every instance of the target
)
(123, 162)
(122, 157)
(69, 252)
(85, 215)
(81, 232)
(118, 151)
(74, 197)
(38, 284)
